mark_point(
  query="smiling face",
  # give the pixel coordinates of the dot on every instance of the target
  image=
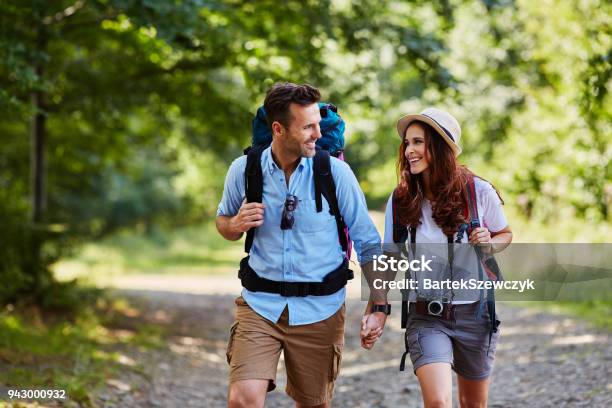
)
(416, 148)
(300, 136)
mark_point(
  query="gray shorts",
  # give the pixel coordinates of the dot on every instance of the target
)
(463, 342)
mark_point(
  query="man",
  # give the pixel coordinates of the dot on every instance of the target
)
(292, 243)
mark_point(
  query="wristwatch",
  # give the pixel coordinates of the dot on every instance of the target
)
(386, 308)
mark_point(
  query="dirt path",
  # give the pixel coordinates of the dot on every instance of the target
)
(543, 360)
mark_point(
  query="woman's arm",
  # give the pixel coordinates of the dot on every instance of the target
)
(492, 217)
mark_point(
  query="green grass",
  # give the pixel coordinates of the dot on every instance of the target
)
(596, 313)
(193, 250)
(561, 230)
(74, 353)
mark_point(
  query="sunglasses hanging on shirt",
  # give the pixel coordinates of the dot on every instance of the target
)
(287, 220)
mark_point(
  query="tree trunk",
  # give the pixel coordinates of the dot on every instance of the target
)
(38, 154)
(39, 132)
(38, 173)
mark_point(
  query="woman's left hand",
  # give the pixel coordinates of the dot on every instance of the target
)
(482, 237)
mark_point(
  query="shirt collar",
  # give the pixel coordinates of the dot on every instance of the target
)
(272, 165)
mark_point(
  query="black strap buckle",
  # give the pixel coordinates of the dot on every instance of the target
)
(293, 289)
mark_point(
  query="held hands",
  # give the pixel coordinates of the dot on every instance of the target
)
(249, 215)
(372, 326)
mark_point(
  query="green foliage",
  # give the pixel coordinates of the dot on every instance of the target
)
(531, 94)
(26, 278)
(526, 119)
(140, 98)
(127, 80)
(147, 102)
(191, 250)
(78, 354)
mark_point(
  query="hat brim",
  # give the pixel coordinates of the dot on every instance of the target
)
(405, 121)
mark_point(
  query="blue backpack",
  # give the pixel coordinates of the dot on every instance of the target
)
(331, 143)
(332, 130)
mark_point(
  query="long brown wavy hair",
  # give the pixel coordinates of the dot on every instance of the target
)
(447, 180)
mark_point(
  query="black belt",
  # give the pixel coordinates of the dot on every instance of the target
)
(332, 282)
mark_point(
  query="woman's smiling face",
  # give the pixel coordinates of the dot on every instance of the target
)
(416, 148)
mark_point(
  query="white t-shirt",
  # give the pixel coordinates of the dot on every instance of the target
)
(490, 214)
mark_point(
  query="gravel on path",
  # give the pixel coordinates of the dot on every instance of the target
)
(542, 360)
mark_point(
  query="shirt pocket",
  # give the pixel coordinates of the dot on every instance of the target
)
(308, 220)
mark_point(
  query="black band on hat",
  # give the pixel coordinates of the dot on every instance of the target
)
(441, 127)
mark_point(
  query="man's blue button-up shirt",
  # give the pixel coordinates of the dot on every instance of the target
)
(308, 251)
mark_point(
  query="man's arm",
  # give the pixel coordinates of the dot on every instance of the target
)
(372, 324)
(250, 215)
(235, 216)
(354, 211)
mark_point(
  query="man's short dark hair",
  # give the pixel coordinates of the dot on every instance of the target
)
(281, 95)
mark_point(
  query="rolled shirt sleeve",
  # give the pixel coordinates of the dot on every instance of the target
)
(233, 191)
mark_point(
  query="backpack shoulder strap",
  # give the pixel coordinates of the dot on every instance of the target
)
(400, 235)
(253, 185)
(324, 186)
(400, 232)
(474, 221)
(489, 265)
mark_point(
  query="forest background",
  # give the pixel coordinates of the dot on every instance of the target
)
(119, 118)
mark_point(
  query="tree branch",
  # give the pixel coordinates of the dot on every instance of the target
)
(64, 14)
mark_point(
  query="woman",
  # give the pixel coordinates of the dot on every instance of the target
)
(431, 198)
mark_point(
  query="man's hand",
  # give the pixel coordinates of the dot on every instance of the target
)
(372, 326)
(249, 215)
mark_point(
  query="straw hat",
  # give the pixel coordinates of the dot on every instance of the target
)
(443, 122)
